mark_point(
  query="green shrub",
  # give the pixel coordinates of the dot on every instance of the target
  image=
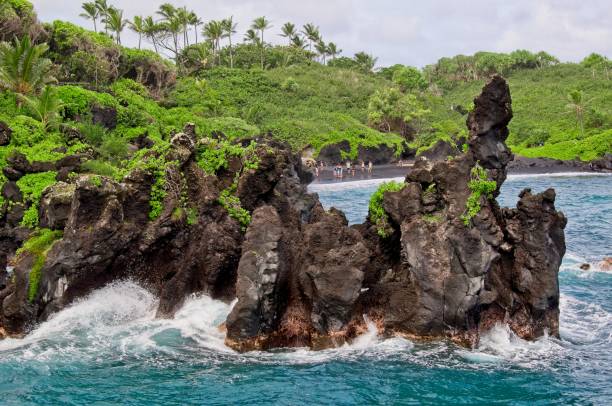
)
(114, 149)
(409, 79)
(480, 186)
(231, 127)
(214, 155)
(32, 186)
(77, 101)
(66, 36)
(93, 134)
(100, 168)
(432, 218)
(191, 91)
(38, 245)
(377, 213)
(290, 85)
(96, 180)
(234, 208)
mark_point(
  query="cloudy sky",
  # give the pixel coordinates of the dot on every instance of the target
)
(407, 32)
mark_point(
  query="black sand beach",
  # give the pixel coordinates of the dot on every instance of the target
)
(520, 166)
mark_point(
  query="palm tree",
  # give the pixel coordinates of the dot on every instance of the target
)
(365, 62)
(137, 25)
(150, 30)
(288, 31)
(195, 21)
(22, 67)
(321, 48)
(182, 15)
(45, 108)
(297, 41)
(103, 8)
(261, 24)
(167, 11)
(213, 31)
(91, 12)
(312, 34)
(171, 25)
(577, 104)
(115, 22)
(229, 28)
(251, 36)
(333, 51)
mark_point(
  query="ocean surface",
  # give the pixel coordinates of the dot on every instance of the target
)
(108, 348)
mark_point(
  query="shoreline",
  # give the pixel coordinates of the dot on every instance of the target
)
(389, 172)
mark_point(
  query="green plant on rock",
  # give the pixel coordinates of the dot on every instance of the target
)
(480, 186)
(158, 189)
(377, 213)
(250, 161)
(214, 155)
(234, 208)
(38, 245)
(32, 187)
(96, 181)
(432, 218)
(192, 216)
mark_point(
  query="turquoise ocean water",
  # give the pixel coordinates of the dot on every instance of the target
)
(109, 349)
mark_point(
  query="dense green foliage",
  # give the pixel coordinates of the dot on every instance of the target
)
(303, 92)
(38, 245)
(377, 213)
(302, 105)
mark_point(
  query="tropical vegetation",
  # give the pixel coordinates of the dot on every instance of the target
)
(282, 79)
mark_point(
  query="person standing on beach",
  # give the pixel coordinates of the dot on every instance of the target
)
(370, 166)
(362, 166)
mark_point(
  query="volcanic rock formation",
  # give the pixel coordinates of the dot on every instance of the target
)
(451, 264)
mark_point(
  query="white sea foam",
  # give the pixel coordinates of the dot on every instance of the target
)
(120, 318)
(89, 320)
(585, 323)
(119, 321)
(501, 342)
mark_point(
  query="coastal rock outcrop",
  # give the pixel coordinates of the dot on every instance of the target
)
(448, 263)
(453, 266)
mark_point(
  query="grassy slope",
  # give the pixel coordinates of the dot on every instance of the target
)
(303, 105)
(540, 110)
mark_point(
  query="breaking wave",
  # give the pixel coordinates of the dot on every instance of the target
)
(119, 321)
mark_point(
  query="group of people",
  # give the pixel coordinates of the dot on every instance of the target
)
(349, 168)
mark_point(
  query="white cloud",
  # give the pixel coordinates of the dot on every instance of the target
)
(406, 32)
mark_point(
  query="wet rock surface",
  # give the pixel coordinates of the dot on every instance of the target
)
(301, 275)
